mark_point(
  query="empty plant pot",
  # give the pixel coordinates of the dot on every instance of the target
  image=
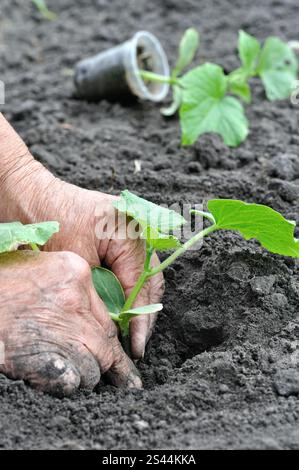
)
(114, 73)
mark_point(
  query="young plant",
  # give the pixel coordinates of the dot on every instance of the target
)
(187, 49)
(275, 63)
(274, 233)
(44, 10)
(203, 95)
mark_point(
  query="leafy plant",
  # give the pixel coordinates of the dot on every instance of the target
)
(43, 9)
(157, 225)
(260, 222)
(275, 63)
(15, 234)
(206, 107)
(203, 95)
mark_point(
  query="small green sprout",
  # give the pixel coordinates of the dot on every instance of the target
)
(187, 49)
(275, 63)
(43, 9)
(203, 95)
(260, 222)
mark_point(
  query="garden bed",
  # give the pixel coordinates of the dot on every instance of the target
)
(221, 370)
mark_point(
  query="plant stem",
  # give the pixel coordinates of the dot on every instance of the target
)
(34, 247)
(182, 250)
(141, 280)
(154, 77)
(147, 273)
(126, 344)
(124, 319)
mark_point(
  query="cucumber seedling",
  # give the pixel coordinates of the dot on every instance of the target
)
(203, 95)
(157, 224)
(260, 222)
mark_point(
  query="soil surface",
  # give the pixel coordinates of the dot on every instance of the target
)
(222, 368)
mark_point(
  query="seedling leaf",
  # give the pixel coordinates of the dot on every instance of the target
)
(269, 227)
(204, 214)
(147, 213)
(145, 310)
(237, 84)
(156, 222)
(187, 50)
(249, 49)
(205, 107)
(15, 234)
(277, 68)
(160, 241)
(109, 289)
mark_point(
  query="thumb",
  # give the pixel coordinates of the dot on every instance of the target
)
(50, 373)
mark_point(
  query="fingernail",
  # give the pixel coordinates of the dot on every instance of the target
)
(134, 381)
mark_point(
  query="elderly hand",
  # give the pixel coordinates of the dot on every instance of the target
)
(56, 332)
(30, 193)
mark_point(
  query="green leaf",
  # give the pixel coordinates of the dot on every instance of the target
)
(156, 222)
(205, 107)
(277, 68)
(109, 289)
(147, 213)
(160, 241)
(249, 50)
(204, 214)
(145, 310)
(15, 234)
(176, 102)
(238, 85)
(269, 227)
(187, 50)
(242, 90)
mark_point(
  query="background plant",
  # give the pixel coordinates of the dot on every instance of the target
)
(203, 95)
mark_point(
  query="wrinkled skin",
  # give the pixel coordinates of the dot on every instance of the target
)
(30, 193)
(57, 333)
(84, 215)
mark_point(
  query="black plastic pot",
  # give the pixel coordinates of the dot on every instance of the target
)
(115, 73)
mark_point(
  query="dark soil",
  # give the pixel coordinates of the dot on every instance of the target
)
(222, 368)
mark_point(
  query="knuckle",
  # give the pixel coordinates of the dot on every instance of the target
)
(77, 265)
(47, 372)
